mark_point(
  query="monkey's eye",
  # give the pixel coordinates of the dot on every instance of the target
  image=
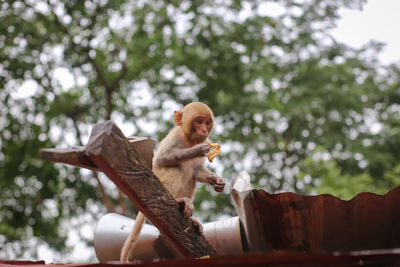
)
(199, 121)
(208, 122)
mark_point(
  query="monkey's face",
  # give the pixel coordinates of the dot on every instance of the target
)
(201, 128)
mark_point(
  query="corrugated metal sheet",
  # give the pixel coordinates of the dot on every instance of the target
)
(274, 259)
(322, 223)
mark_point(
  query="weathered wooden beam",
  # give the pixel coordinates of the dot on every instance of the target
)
(74, 156)
(112, 153)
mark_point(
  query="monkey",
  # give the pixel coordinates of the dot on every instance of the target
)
(179, 162)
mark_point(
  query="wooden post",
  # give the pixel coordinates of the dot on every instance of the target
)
(109, 151)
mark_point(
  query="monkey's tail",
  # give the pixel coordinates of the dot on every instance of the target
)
(129, 245)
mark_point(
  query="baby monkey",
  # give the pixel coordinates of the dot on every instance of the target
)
(179, 163)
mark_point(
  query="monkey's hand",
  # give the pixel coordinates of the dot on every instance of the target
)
(186, 205)
(217, 182)
(201, 149)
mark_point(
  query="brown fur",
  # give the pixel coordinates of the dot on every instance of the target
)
(179, 162)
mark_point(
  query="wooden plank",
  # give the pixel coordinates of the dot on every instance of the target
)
(74, 156)
(111, 152)
(145, 148)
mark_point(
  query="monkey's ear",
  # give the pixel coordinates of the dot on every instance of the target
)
(178, 118)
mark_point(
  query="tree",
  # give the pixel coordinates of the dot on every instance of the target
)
(292, 105)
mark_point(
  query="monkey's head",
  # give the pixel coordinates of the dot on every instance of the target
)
(196, 120)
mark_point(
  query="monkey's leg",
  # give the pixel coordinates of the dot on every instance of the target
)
(129, 245)
(198, 225)
(187, 206)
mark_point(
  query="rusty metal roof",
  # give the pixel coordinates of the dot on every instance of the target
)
(318, 224)
(273, 259)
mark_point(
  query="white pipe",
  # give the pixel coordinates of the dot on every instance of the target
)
(113, 229)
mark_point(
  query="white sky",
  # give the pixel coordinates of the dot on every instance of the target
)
(379, 20)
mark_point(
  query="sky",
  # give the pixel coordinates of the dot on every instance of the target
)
(379, 20)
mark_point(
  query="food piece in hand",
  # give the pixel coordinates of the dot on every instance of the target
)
(214, 151)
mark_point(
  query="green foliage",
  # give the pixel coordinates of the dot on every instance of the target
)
(328, 178)
(295, 108)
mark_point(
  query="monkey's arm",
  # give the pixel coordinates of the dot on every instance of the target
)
(206, 176)
(173, 156)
